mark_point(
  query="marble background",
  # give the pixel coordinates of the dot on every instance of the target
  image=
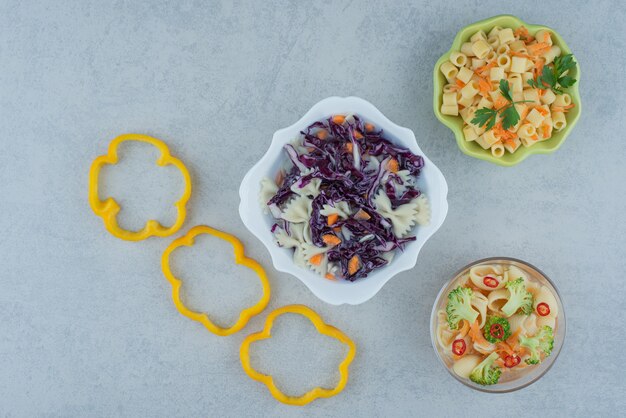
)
(87, 326)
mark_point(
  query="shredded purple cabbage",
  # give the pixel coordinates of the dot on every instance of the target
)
(349, 175)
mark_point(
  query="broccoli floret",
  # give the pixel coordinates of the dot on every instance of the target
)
(496, 329)
(520, 298)
(486, 373)
(459, 307)
(540, 343)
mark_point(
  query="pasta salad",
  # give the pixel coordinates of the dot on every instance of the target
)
(508, 86)
(497, 322)
(345, 198)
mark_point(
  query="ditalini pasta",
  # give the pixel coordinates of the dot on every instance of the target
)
(346, 198)
(507, 86)
(498, 321)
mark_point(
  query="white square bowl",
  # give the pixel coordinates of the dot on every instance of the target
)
(337, 292)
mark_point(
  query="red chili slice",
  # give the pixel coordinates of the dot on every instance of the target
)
(496, 331)
(512, 361)
(543, 309)
(490, 282)
(459, 347)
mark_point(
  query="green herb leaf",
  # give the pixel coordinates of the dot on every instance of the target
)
(485, 116)
(566, 81)
(564, 63)
(504, 89)
(553, 77)
(510, 117)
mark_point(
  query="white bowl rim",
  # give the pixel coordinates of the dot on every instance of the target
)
(341, 291)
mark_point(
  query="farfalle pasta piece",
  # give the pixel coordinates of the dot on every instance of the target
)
(322, 328)
(109, 208)
(268, 190)
(315, 258)
(402, 218)
(401, 179)
(298, 210)
(283, 239)
(422, 210)
(340, 208)
(311, 188)
(301, 232)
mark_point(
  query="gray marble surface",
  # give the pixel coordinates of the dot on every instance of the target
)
(87, 325)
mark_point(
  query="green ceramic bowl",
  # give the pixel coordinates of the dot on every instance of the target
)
(455, 123)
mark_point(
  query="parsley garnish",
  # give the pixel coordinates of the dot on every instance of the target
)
(508, 113)
(552, 76)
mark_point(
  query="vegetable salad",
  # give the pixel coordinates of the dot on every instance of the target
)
(346, 198)
(497, 322)
(509, 87)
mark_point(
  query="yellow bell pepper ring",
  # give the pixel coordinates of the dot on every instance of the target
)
(322, 328)
(240, 258)
(109, 208)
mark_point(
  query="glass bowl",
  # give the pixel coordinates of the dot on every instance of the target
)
(526, 376)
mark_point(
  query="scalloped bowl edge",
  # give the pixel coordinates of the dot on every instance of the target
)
(452, 122)
(340, 292)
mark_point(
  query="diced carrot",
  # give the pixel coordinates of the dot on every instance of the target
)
(369, 127)
(393, 165)
(337, 229)
(330, 239)
(542, 110)
(349, 147)
(464, 329)
(538, 48)
(482, 69)
(322, 134)
(280, 177)
(459, 83)
(538, 67)
(332, 219)
(358, 135)
(354, 265)
(523, 34)
(563, 108)
(476, 335)
(502, 346)
(316, 260)
(330, 276)
(484, 86)
(362, 215)
(513, 339)
(510, 142)
(502, 133)
(546, 130)
(339, 119)
(534, 137)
